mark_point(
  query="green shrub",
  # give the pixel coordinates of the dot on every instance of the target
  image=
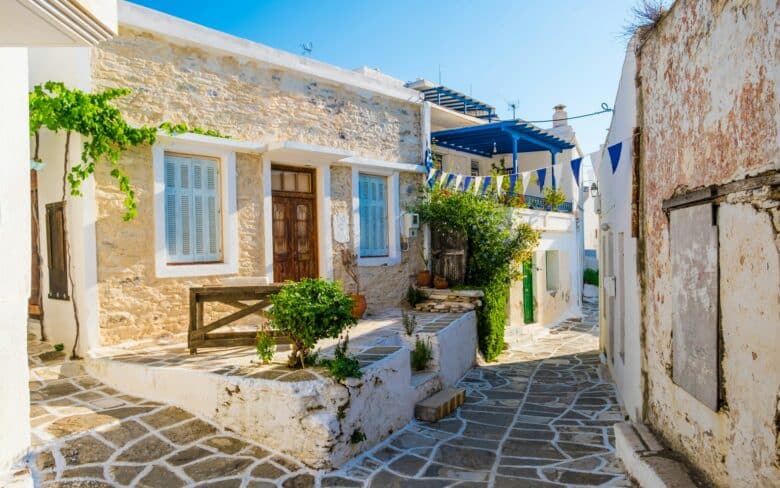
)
(308, 311)
(496, 250)
(415, 296)
(421, 354)
(342, 366)
(59, 347)
(591, 276)
(266, 347)
(554, 198)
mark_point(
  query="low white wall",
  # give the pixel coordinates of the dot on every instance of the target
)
(311, 420)
(15, 258)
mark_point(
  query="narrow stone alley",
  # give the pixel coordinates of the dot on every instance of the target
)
(541, 416)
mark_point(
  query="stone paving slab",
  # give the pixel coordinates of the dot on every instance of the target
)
(540, 416)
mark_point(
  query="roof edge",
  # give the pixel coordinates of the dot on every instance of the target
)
(190, 33)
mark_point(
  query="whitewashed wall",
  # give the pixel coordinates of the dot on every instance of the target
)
(14, 258)
(71, 66)
(615, 213)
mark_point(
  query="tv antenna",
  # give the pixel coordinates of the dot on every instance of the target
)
(513, 107)
(307, 48)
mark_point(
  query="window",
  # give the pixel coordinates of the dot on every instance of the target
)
(192, 209)
(474, 168)
(373, 216)
(551, 269)
(55, 247)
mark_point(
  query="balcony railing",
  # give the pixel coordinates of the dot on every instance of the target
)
(538, 203)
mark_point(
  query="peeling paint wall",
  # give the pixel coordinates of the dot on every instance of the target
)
(708, 75)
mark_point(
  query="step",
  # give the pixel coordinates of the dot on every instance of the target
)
(440, 405)
(425, 384)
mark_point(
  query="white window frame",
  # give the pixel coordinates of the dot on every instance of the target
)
(227, 192)
(393, 216)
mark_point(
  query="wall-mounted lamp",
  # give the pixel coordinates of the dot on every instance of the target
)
(594, 190)
(495, 149)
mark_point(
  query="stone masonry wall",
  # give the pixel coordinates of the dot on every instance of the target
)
(709, 115)
(248, 101)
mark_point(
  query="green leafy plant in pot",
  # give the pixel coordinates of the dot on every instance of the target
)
(349, 260)
(308, 311)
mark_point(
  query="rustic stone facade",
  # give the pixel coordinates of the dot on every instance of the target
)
(249, 101)
(708, 112)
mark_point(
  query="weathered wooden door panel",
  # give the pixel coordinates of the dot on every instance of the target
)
(294, 230)
(694, 249)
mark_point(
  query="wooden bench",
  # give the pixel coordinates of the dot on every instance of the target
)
(203, 335)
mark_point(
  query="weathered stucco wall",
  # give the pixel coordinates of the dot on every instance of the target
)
(709, 115)
(248, 101)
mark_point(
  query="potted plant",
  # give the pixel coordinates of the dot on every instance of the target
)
(349, 260)
(440, 282)
(424, 277)
(554, 198)
(308, 311)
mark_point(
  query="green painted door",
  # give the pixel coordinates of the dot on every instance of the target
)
(528, 292)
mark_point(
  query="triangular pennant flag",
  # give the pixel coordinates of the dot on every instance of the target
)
(595, 161)
(431, 174)
(614, 155)
(486, 183)
(467, 182)
(526, 180)
(449, 180)
(477, 182)
(541, 173)
(428, 158)
(575, 169)
(512, 182)
(442, 178)
(457, 181)
(499, 183)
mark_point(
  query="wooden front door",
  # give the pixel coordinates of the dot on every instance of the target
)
(294, 229)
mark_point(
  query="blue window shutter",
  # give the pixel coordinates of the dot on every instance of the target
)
(373, 215)
(192, 209)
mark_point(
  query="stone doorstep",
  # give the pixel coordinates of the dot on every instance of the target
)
(643, 458)
(439, 405)
(433, 292)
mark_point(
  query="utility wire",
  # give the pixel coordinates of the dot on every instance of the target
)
(604, 108)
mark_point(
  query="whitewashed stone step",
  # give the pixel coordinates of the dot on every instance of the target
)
(425, 384)
(440, 404)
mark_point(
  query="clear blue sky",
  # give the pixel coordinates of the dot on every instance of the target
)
(537, 53)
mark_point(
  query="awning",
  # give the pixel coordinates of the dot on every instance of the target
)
(302, 153)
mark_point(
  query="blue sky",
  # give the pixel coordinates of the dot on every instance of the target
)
(535, 53)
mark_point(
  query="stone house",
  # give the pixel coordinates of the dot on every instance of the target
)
(318, 159)
(694, 348)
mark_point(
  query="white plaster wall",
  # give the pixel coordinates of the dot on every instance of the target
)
(71, 66)
(615, 190)
(558, 232)
(14, 258)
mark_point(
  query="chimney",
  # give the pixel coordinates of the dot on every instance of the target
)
(560, 117)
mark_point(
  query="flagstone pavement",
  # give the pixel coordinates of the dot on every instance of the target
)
(540, 416)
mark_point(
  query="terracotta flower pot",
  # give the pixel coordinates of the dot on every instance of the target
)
(359, 308)
(440, 282)
(424, 278)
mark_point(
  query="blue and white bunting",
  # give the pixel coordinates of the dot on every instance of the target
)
(512, 183)
(541, 173)
(614, 155)
(499, 184)
(575, 169)
(485, 184)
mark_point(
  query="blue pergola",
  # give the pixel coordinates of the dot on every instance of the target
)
(457, 101)
(509, 136)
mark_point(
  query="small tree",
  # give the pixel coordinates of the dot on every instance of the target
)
(554, 198)
(308, 311)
